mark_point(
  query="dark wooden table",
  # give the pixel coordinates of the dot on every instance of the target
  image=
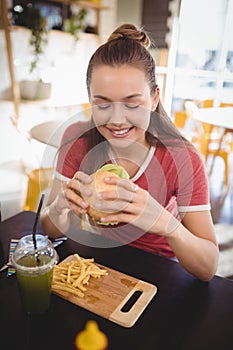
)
(185, 314)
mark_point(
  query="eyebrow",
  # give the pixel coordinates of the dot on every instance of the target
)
(125, 98)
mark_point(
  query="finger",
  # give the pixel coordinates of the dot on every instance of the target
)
(77, 209)
(124, 183)
(82, 177)
(111, 205)
(128, 186)
(128, 218)
(122, 217)
(79, 188)
(74, 196)
(133, 216)
(121, 193)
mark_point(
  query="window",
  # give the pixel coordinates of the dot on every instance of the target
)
(202, 48)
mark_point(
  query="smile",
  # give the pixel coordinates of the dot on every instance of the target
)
(122, 132)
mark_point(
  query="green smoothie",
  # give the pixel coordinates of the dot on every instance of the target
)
(35, 283)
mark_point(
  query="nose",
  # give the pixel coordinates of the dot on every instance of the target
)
(117, 114)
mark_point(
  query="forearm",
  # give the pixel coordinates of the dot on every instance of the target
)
(197, 255)
(55, 222)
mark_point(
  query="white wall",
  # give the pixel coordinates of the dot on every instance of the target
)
(64, 61)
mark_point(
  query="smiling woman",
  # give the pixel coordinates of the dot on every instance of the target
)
(169, 213)
(123, 112)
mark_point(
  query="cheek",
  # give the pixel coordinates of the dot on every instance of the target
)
(140, 118)
(100, 117)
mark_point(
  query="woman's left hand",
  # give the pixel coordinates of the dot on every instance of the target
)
(136, 206)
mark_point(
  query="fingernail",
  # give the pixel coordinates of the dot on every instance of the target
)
(84, 205)
(87, 192)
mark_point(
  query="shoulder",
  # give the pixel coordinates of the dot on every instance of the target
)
(176, 148)
(182, 159)
(76, 130)
(74, 138)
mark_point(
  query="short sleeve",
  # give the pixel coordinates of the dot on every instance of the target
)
(71, 151)
(192, 185)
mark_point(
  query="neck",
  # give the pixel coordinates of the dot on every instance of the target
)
(131, 158)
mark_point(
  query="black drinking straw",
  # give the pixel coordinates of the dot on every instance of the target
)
(35, 228)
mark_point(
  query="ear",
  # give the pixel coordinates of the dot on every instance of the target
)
(155, 100)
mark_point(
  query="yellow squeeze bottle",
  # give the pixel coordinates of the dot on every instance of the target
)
(91, 338)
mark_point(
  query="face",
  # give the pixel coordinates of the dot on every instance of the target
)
(121, 104)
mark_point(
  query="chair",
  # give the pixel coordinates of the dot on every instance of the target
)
(206, 103)
(228, 133)
(209, 142)
(39, 180)
(226, 104)
(184, 123)
(215, 131)
(180, 118)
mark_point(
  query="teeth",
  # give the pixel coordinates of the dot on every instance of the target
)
(120, 132)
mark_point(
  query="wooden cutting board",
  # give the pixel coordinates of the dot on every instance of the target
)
(117, 297)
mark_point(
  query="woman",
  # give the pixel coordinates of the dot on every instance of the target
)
(166, 199)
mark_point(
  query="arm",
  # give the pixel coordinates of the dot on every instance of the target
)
(192, 240)
(62, 204)
(194, 243)
(55, 218)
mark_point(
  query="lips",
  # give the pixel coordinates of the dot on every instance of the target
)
(120, 132)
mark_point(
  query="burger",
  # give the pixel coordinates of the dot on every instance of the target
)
(98, 185)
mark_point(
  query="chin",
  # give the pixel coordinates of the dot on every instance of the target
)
(121, 142)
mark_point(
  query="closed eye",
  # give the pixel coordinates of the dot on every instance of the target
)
(103, 106)
(131, 105)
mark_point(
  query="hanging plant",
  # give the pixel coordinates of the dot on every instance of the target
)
(75, 24)
(30, 16)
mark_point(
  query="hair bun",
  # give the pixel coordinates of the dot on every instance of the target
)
(131, 32)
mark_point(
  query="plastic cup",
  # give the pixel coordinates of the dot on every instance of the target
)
(34, 275)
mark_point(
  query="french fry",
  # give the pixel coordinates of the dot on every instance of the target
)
(73, 276)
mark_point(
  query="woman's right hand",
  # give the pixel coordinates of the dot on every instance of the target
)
(64, 199)
(70, 195)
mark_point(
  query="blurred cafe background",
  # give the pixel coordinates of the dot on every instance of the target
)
(44, 50)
